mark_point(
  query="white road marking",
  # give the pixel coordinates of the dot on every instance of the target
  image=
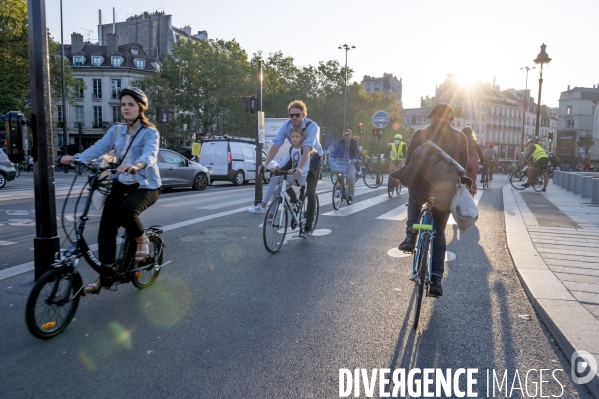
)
(396, 253)
(7, 242)
(399, 213)
(225, 204)
(358, 206)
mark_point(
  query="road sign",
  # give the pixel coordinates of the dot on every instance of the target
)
(261, 128)
(380, 119)
(195, 149)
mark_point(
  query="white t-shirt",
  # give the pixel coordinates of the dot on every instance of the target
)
(295, 154)
(127, 178)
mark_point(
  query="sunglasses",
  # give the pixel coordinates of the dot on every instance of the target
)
(295, 115)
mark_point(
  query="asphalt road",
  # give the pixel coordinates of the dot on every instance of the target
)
(228, 319)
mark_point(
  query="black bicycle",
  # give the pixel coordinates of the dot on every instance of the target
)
(484, 178)
(54, 298)
(519, 178)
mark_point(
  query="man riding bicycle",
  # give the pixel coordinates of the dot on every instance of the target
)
(540, 160)
(455, 144)
(297, 118)
(490, 159)
(347, 148)
(397, 152)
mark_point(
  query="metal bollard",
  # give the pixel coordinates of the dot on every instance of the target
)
(587, 186)
(595, 192)
(563, 183)
(570, 186)
(578, 184)
(556, 176)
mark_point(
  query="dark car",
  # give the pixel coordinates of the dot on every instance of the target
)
(178, 171)
(7, 171)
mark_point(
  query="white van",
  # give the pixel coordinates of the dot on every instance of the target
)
(230, 158)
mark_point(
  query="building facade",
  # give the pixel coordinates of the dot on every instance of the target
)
(106, 70)
(385, 84)
(576, 115)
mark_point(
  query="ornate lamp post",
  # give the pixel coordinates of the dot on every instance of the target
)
(541, 59)
(346, 48)
(525, 105)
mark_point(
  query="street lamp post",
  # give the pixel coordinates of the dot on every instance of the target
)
(65, 138)
(541, 59)
(525, 105)
(346, 48)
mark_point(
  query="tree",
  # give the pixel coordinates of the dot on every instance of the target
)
(14, 60)
(204, 82)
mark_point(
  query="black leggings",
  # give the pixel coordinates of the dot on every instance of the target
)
(122, 208)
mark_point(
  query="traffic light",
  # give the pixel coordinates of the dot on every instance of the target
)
(375, 132)
(550, 137)
(251, 103)
(16, 136)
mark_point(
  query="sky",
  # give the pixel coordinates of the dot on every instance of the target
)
(418, 41)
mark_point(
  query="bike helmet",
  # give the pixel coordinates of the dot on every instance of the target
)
(137, 94)
(398, 136)
(357, 138)
(531, 141)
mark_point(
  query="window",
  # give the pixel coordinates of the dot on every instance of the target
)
(172, 158)
(97, 85)
(96, 61)
(78, 115)
(140, 64)
(79, 92)
(116, 88)
(236, 152)
(97, 117)
(115, 61)
(368, 86)
(78, 60)
(570, 123)
(134, 51)
(116, 114)
(59, 114)
(569, 110)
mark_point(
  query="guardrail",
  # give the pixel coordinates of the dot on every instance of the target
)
(585, 184)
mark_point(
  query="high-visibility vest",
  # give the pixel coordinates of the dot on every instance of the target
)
(397, 153)
(538, 153)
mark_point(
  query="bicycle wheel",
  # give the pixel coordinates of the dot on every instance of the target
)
(52, 302)
(422, 270)
(337, 194)
(144, 275)
(539, 181)
(333, 177)
(274, 229)
(398, 188)
(518, 180)
(373, 178)
(316, 212)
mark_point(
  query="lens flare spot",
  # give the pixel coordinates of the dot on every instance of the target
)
(86, 360)
(168, 302)
(211, 267)
(47, 325)
(122, 337)
(232, 253)
(395, 126)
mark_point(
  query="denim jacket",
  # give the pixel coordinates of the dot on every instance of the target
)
(143, 149)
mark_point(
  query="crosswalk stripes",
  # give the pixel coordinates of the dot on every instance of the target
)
(358, 206)
(399, 213)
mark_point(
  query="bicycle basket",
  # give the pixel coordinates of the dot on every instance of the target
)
(339, 165)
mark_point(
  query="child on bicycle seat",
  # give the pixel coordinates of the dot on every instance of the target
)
(290, 161)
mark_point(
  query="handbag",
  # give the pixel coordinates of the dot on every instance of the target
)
(99, 196)
(463, 208)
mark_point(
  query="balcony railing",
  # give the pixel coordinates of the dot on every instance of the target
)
(76, 124)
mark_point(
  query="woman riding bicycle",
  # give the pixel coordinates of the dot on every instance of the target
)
(136, 183)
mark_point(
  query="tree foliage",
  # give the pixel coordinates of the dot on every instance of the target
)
(14, 60)
(204, 82)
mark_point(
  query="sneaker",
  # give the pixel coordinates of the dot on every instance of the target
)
(525, 185)
(409, 243)
(307, 233)
(544, 190)
(350, 199)
(482, 181)
(257, 209)
(435, 288)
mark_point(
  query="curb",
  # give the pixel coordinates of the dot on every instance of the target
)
(572, 326)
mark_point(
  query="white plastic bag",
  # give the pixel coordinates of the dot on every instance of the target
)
(463, 208)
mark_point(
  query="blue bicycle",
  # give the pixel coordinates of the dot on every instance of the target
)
(422, 268)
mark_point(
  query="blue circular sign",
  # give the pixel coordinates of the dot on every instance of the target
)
(380, 119)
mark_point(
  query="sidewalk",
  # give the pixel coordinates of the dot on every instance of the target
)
(553, 239)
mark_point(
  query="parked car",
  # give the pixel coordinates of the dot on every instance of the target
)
(230, 158)
(7, 170)
(178, 171)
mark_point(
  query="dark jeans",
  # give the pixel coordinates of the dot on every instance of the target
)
(122, 208)
(311, 183)
(440, 217)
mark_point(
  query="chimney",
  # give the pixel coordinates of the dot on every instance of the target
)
(111, 46)
(76, 42)
(113, 20)
(568, 87)
(100, 27)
